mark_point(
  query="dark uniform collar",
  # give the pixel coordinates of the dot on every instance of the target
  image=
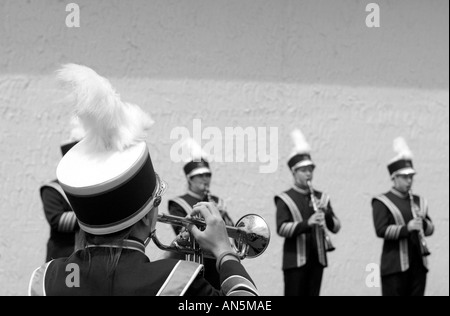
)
(195, 195)
(131, 244)
(399, 194)
(302, 191)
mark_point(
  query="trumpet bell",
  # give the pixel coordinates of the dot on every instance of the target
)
(252, 235)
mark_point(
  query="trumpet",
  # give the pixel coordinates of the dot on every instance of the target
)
(328, 244)
(415, 211)
(251, 237)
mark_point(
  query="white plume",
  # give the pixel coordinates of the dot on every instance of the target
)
(194, 150)
(301, 146)
(402, 149)
(110, 124)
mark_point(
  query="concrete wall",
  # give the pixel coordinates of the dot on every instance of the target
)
(286, 64)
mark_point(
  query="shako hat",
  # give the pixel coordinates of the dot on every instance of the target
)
(108, 176)
(197, 162)
(301, 152)
(401, 164)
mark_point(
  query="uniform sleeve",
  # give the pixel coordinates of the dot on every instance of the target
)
(286, 226)
(385, 226)
(331, 220)
(176, 210)
(58, 212)
(234, 280)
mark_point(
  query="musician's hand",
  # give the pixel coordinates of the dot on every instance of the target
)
(421, 214)
(321, 205)
(316, 219)
(415, 224)
(215, 237)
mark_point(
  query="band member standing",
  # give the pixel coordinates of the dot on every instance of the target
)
(198, 176)
(303, 217)
(60, 217)
(115, 192)
(401, 219)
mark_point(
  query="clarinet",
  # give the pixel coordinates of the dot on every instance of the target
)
(415, 211)
(328, 244)
(208, 198)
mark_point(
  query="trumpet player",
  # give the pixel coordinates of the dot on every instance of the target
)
(402, 220)
(303, 227)
(198, 176)
(111, 184)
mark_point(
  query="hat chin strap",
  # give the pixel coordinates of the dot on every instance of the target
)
(149, 238)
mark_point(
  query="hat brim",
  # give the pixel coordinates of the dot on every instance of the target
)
(404, 172)
(199, 171)
(303, 163)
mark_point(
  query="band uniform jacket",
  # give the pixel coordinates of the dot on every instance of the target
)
(182, 206)
(134, 275)
(294, 208)
(391, 214)
(62, 221)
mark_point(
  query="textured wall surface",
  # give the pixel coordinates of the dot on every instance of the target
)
(286, 64)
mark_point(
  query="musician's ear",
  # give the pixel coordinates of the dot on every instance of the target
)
(148, 218)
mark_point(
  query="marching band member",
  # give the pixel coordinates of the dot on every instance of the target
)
(198, 176)
(304, 252)
(114, 191)
(402, 220)
(60, 217)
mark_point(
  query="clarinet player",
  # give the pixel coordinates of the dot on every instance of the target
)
(303, 218)
(402, 220)
(198, 176)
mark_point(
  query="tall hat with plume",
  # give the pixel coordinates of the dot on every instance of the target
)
(108, 176)
(301, 153)
(402, 162)
(198, 159)
(76, 134)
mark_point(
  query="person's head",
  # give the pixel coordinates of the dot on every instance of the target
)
(198, 175)
(196, 169)
(401, 168)
(300, 162)
(403, 182)
(303, 174)
(200, 182)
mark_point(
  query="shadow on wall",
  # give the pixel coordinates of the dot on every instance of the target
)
(320, 42)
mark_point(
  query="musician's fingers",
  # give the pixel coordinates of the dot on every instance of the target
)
(195, 210)
(195, 231)
(202, 209)
(318, 216)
